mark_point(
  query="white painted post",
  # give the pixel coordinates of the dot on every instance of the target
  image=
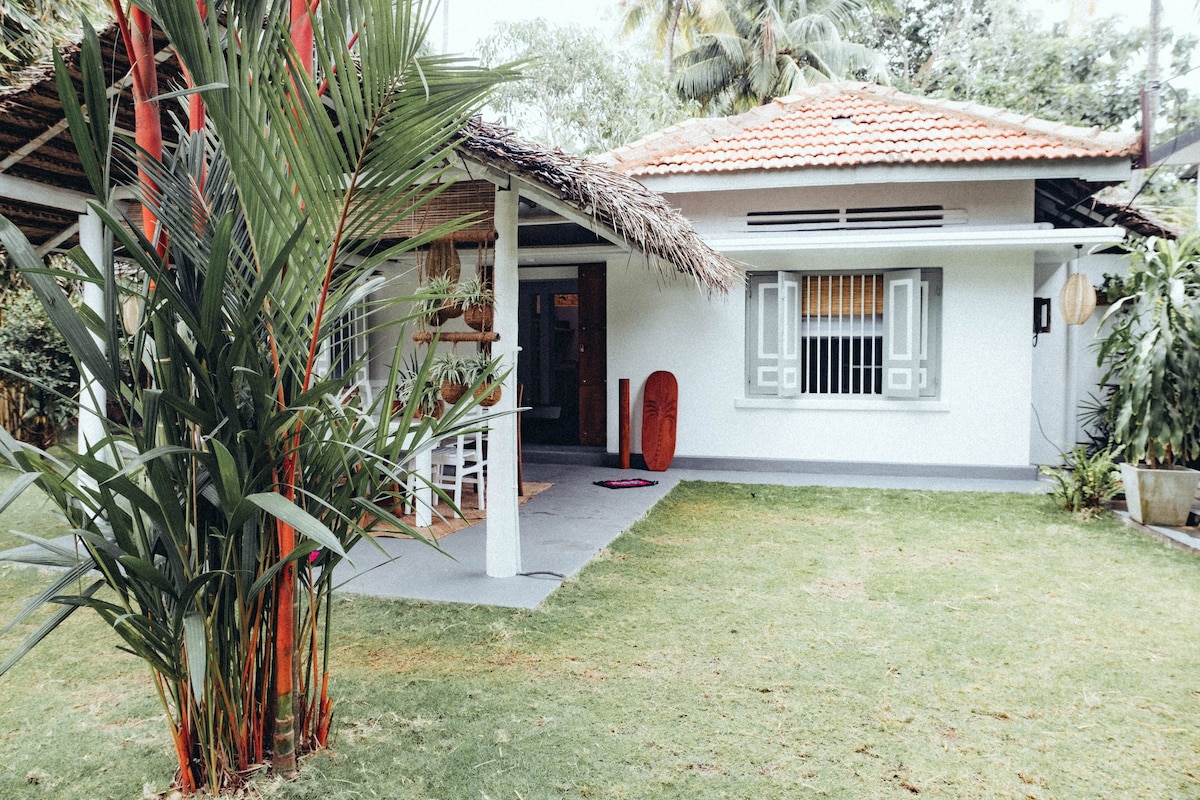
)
(423, 502)
(503, 527)
(93, 399)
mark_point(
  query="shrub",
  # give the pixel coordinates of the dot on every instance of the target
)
(1086, 483)
(38, 409)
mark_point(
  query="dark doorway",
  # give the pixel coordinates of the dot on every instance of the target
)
(562, 363)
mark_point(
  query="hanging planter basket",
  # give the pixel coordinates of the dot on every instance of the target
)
(453, 392)
(441, 259)
(448, 311)
(479, 317)
(488, 395)
(435, 411)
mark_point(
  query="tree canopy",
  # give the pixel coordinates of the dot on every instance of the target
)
(579, 93)
(997, 53)
(758, 50)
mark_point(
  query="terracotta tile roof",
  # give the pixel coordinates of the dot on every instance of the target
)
(856, 124)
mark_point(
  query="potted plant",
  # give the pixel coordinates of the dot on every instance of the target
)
(437, 300)
(412, 385)
(1151, 356)
(477, 301)
(484, 376)
(454, 375)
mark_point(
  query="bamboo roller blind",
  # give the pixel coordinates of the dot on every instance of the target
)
(842, 295)
(458, 200)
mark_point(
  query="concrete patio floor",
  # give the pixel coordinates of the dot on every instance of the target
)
(565, 526)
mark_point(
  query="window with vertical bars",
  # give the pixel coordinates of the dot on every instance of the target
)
(853, 334)
(841, 334)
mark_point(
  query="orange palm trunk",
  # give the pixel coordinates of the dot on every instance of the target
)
(148, 131)
(284, 754)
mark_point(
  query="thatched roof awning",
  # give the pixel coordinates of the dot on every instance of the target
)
(640, 217)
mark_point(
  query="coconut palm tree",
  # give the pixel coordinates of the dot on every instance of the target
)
(765, 49)
(670, 21)
(214, 518)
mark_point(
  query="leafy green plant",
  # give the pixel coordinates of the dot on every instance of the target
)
(1086, 482)
(475, 292)
(213, 516)
(451, 368)
(40, 403)
(417, 389)
(482, 368)
(1112, 288)
(452, 372)
(1151, 354)
(437, 301)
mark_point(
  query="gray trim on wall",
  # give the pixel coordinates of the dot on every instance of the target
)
(597, 457)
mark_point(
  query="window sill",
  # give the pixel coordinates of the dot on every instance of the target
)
(841, 404)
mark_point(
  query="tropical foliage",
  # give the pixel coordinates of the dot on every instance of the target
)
(38, 378)
(763, 49)
(670, 22)
(210, 522)
(1086, 482)
(580, 93)
(1001, 53)
(1151, 354)
(29, 28)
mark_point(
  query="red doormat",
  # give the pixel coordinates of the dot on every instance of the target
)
(625, 483)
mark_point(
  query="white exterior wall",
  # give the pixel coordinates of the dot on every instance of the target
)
(721, 214)
(982, 416)
(1051, 431)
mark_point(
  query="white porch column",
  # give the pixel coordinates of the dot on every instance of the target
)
(503, 527)
(93, 399)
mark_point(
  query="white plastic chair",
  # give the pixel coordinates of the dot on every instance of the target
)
(460, 460)
(455, 462)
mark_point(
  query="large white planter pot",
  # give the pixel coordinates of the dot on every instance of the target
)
(1159, 496)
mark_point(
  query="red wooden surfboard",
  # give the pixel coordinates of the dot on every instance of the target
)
(659, 409)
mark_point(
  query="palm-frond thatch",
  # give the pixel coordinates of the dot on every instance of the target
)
(639, 216)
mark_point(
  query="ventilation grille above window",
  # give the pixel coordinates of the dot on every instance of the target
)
(847, 219)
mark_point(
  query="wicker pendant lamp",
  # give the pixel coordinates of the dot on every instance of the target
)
(1078, 297)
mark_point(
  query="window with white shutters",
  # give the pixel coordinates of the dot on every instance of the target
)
(850, 334)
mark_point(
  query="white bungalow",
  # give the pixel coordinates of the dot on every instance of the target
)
(895, 250)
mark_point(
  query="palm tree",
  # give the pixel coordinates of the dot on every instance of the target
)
(670, 21)
(244, 472)
(29, 28)
(765, 49)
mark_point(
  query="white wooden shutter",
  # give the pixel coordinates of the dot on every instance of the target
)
(773, 346)
(788, 327)
(902, 339)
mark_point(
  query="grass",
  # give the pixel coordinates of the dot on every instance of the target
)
(739, 642)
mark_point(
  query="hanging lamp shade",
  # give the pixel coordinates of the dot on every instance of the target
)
(1077, 299)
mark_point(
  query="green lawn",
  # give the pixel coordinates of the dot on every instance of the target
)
(740, 642)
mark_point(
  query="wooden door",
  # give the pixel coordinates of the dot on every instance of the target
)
(593, 356)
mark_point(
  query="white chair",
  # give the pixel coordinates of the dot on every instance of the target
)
(457, 461)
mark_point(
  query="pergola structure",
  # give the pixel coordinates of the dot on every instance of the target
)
(44, 191)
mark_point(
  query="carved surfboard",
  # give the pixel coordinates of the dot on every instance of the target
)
(659, 410)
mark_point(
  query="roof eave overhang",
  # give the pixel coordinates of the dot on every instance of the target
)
(1092, 170)
(1044, 242)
